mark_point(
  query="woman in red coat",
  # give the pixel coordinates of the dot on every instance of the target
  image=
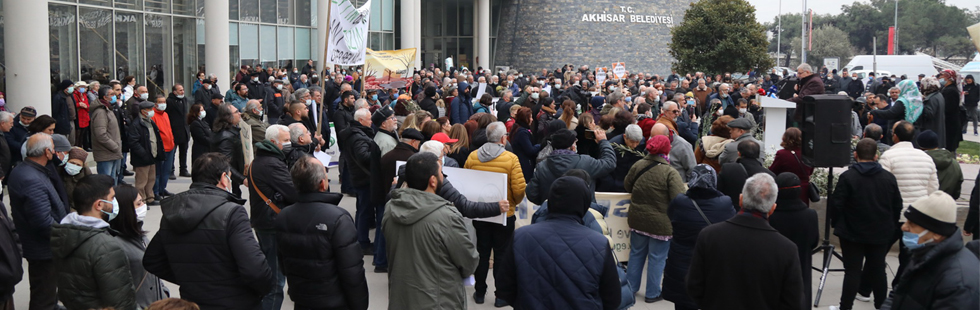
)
(790, 159)
(82, 138)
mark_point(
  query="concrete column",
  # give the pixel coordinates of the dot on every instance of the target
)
(322, 20)
(217, 57)
(417, 31)
(27, 71)
(483, 36)
(411, 27)
(476, 40)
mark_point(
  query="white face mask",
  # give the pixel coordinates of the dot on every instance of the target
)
(720, 112)
(141, 213)
(73, 169)
(203, 114)
(286, 144)
(742, 110)
(535, 95)
(279, 87)
(208, 87)
(162, 107)
(180, 96)
(144, 96)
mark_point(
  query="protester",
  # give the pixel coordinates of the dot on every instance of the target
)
(430, 249)
(357, 144)
(165, 162)
(252, 115)
(686, 220)
(227, 141)
(941, 272)
(681, 155)
(923, 114)
(790, 159)
(200, 131)
(565, 158)
(6, 161)
(460, 150)
(809, 84)
(461, 108)
(300, 145)
(11, 257)
(386, 123)
(557, 283)
(733, 176)
(81, 99)
(381, 183)
(147, 148)
(652, 184)
(63, 108)
(492, 157)
(92, 269)
(629, 148)
(971, 97)
(951, 91)
(74, 170)
(177, 110)
(232, 273)
(947, 167)
(713, 144)
(522, 141)
(744, 261)
(797, 222)
(129, 234)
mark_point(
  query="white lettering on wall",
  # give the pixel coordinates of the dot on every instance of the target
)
(629, 17)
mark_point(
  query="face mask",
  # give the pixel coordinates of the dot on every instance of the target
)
(309, 101)
(162, 107)
(286, 144)
(81, 90)
(144, 96)
(692, 103)
(228, 176)
(742, 110)
(535, 95)
(941, 82)
(202, 115)
(261, 113)
(279, 87)
(720, 112)
(520, 75)
(911, 240)
(374, 97)
(612, 88)
(73, 169)
(256, 80)
(724, 95)
(71, 89)
(3, 102)
(295, 71)
(149, 114)
(115, 208)
(208, 87)
(629, 99)
(180, 96)
(141, 213)
(61, 161)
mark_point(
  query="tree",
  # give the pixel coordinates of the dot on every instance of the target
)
(828, 41)
(791, 30)
(719, 36)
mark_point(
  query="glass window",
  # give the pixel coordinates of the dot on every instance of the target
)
(303, 12)
(313, 12)
(466, 18)
(129, 4)
(465, 55)
(388, 41)
(387, 15)
(162, 6)
(248, 35)
(374, 41)
(159, 60)
(200, 8)
(267, 43)
(233, 33)
(249, 11)
(376, 16)
(97, 2)
(233, 9)
(287, 12)
(183, 6)
(185, 56)
(129, 46)
(3, 85)
(286, 44)
(200, 42)
(303, 45)
(62, 38)
(268, 11)
(452, 23)
(95, 46)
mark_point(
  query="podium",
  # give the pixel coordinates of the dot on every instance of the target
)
(775, 116)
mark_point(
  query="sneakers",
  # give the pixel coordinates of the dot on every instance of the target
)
(834, 307)
(652, 300)
(862, 297)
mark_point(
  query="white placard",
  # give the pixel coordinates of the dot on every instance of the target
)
(619, 70)
(322, 157)
(618, 205)
(600, 76)
(480, 90)
(479, 186)
(347, 40)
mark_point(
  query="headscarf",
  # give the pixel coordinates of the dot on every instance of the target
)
(912, 100)
(957, 82)
(658, 145)
(703, 176)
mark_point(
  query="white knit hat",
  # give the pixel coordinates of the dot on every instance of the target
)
(935, 212)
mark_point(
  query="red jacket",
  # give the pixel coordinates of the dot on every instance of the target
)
(82, 99)
(162, 121)
(811, 85)
(786, 161)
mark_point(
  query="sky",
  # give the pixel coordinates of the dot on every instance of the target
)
(766, 10)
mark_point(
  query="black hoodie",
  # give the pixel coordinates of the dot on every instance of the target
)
(860, 217)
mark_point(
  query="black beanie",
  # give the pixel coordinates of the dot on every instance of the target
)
(430, 91)
(569, 195)
(563, 139)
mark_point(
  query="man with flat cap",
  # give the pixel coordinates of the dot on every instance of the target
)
(381, 181)
(741, 130)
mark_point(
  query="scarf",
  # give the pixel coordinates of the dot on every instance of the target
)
(755, 214)
(911, 98)
(703, 176)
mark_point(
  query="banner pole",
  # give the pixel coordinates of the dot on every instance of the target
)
(323, 79)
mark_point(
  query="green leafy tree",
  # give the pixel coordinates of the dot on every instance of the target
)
(719, 36)
(791, 30)
(828, 41)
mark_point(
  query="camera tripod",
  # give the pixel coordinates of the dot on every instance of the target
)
(828, 249)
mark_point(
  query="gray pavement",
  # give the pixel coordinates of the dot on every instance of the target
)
(378, 283)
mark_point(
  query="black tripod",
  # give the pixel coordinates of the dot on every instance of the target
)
(827, 248)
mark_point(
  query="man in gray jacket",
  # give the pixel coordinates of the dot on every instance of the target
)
(681, 152)
(565, 158)
(741, 130)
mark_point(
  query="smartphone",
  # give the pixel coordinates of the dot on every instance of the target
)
(589, 134)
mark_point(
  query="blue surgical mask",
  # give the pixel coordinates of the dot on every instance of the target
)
(629, 99)
(374, 97)
(942, 82)
(112, 100)
(115, 208)
(911, 240)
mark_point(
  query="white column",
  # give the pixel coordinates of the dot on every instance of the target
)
(411, 27)
(417, 31)
(321, 30)
(217, 57)
(483, 36)
(27, 71)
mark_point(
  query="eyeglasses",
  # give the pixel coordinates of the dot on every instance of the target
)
(674, 111)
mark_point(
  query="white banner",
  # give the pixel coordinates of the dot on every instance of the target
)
(479, 186)
(618, 205)
(347, 40)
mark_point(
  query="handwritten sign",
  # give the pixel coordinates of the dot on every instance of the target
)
(600, 75)
(619, 70)
(347, 40)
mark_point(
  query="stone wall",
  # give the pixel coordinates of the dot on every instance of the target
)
(546, 34)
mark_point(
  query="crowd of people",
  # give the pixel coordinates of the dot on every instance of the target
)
(711, 233)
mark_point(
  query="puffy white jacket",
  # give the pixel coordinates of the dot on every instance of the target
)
(914, 170)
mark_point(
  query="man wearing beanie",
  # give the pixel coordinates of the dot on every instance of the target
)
(73, 171)
(947, 167)
(941, 274)
(428, 102)
(541, 280)
(565, 158)
(386, 137)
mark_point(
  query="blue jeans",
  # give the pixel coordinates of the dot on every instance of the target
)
(164, 168)
(121, 168)
(267, 243)
(109, 168)
(656, 254)
(362, 217)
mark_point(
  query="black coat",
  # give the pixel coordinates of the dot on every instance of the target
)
(427, 104)
(798, 222)
(177, 112)
(342, 119)
(687, 224)
(942, 275)
(15, 138)
(951, 98)
(202, 96)
(613, 182)
(384, 173)
(11, 270)
(972, 224)
(61, 107)
(206, 246)
(743, 263)
(860, 217)
(139, 143)
(5, 155)
(201, 133)
(270, 175)
(123, 120)
(319, 253)
(275, 105)
(732, 177)
(356, 145)
(228, 142)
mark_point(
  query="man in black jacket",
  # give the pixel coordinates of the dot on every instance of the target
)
(867, 225)
(275, 102)
(271, 189)
(177, 106)
(733, 175)
(743, 261)
(308, 229)
(357, 146)
(411, 139)
(205, 244)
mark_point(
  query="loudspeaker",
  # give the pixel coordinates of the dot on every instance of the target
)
(827, 130)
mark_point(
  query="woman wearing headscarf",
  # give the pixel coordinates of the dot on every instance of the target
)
(923, 114)
(950, 88)
(652, 183)
(797, 222)
(685, 213)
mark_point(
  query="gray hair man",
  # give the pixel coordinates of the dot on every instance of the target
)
(632, 139)
(875, 132)
(300, 144)
(615, 99)
(252, 115)
(741, 130)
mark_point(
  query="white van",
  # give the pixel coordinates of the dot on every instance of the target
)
(909, 65)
